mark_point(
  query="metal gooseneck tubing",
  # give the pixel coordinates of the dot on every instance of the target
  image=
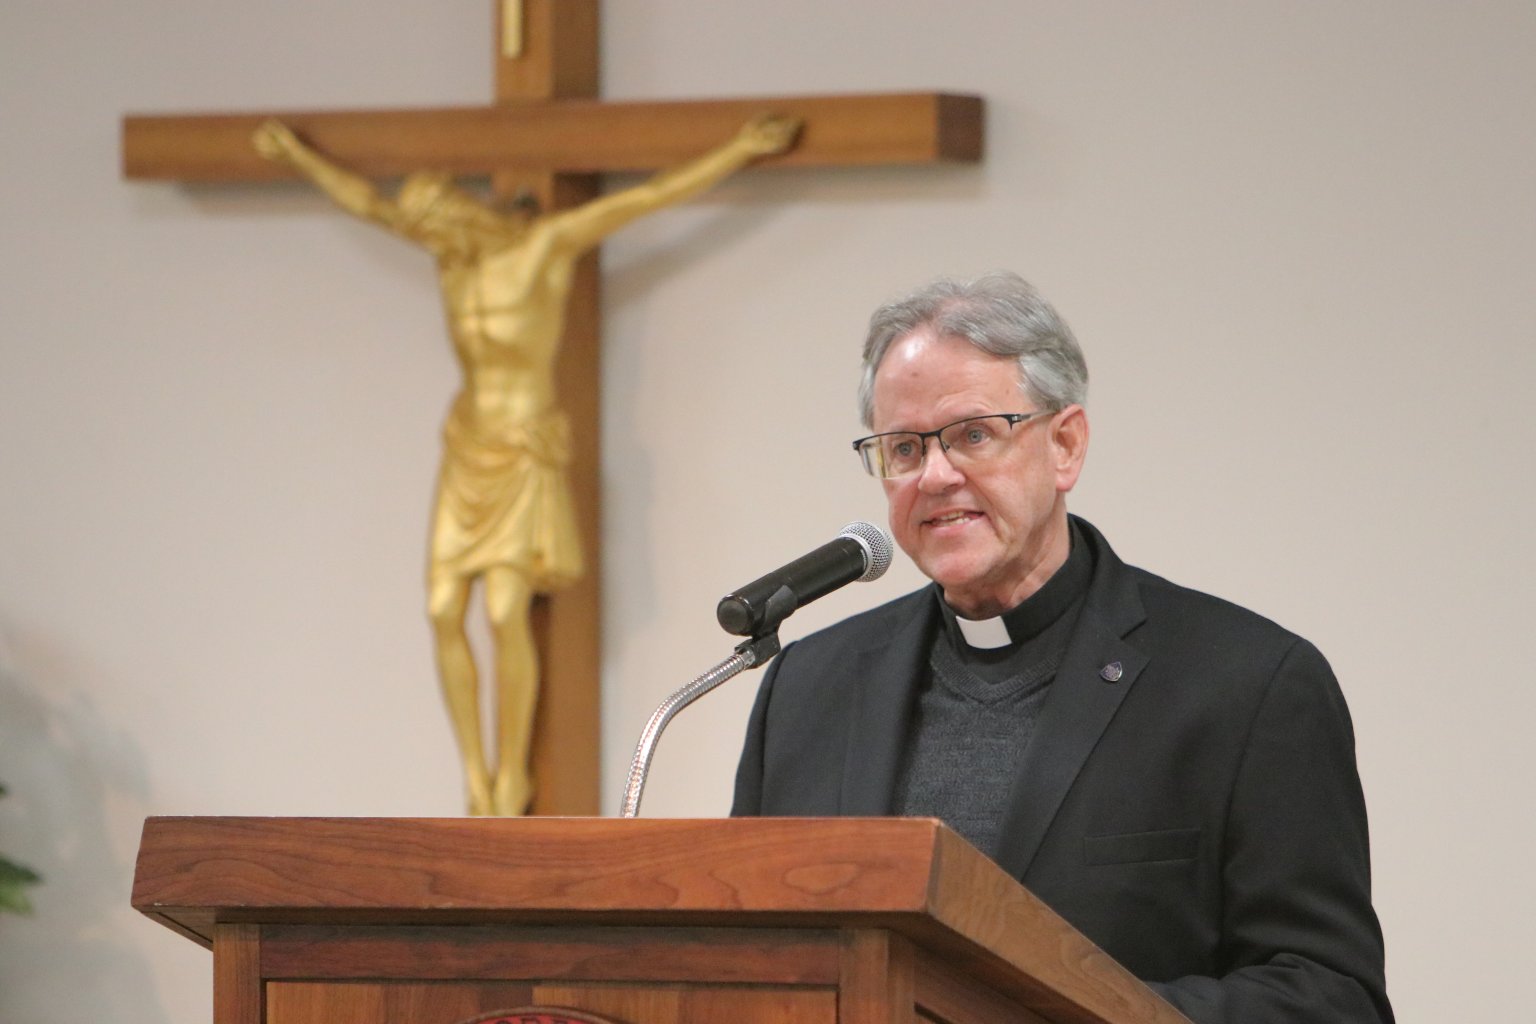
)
(749, 654)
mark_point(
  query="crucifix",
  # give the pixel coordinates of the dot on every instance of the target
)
(547, 136)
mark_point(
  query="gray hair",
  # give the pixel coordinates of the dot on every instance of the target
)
(999, 313)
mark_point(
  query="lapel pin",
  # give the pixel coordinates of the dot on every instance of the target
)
(1112, 672)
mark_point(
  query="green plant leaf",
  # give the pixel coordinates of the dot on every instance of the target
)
(14, 878)
(12, 873)
(14, 901)
(13, 881)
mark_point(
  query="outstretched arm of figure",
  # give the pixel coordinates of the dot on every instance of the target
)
(585, 226)
(352, 192)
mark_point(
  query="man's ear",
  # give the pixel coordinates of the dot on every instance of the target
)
(1069, 445)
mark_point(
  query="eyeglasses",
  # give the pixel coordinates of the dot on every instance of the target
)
(965, 442)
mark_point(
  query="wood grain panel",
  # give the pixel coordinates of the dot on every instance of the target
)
(946, 997)
(558, 36)
(445, 1003)
(366, 1002)
(1043, 961)
(716, 955)
(237, 988)
(876, 982)
(579, 136)
(459, 870)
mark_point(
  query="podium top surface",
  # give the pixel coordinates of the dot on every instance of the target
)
(201, 870)
(911, 875)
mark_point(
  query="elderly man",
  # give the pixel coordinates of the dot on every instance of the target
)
(1171, 773)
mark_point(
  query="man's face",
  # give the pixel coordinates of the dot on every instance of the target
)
(989, 534)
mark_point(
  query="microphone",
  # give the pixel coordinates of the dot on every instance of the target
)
(862, 551)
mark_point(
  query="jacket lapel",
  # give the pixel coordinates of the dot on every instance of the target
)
(1097, 672)
(887, 678)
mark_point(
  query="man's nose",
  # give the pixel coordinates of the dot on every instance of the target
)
(937, 474)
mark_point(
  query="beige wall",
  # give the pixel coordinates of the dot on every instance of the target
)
(1296, 239)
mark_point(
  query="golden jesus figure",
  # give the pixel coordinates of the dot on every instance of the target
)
(503, 513)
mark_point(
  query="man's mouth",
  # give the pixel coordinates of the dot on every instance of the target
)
(952, 518)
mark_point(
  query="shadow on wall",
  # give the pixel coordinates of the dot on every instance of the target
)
(73, 778)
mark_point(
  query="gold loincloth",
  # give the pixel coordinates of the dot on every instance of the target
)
(505, 501)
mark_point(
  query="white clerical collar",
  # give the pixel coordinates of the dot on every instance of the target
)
(986, 634)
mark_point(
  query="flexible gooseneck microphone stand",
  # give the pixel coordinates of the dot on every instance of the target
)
(756, 611)
(749, 654)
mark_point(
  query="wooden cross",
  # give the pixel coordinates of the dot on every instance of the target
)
(548, 134)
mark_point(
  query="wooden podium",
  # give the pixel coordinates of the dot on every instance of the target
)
(740, 921)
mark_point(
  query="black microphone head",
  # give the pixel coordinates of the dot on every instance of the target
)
(861, 552)
(877, 548)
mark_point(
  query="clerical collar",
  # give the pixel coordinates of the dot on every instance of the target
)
(1030, 618)
(986, 634)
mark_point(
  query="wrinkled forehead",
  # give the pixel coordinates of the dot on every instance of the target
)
(928, 353)
(924, 375)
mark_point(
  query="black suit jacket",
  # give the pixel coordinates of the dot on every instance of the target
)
(1189, 800)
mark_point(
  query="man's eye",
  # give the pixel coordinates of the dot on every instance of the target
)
(903, 449)
(976, 434)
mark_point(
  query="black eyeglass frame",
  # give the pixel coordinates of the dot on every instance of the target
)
(1013, 418)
